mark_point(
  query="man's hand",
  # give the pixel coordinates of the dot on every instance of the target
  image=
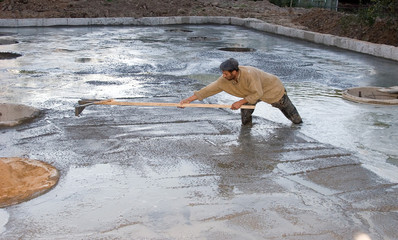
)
(187, 100)
(238, 104)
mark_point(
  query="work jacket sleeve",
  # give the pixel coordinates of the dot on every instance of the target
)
(209, 90)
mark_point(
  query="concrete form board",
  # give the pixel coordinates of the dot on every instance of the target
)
(378, 50)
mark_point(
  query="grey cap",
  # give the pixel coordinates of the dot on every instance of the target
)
(229, 65)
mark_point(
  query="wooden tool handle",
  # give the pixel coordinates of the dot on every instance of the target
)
(159, 104)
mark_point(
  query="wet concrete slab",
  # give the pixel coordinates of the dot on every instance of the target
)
(169, 173)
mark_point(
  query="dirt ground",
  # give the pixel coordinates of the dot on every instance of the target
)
(317, 20)
(22, 179)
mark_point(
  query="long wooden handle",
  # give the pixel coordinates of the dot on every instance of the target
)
(159, 104)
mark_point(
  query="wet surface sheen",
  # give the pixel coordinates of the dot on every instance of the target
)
(168, 173)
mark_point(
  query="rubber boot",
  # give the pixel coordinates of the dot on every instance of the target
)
(246, 116)
(288, 109)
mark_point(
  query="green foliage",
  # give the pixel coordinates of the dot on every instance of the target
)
(366, 16)
(386, 9)
(348, 22)
(284, 3)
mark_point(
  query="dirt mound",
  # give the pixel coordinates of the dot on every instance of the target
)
(129, 8)
(316, 20)
(22, 179)
(345, 25)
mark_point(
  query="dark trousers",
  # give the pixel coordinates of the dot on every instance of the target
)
(284, 104)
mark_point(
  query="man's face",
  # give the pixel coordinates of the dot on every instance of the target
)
(230, 75)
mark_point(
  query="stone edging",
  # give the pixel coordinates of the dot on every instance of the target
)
(372, 95)
(378, 50)
(15, 114)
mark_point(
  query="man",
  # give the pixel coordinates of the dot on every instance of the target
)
(252, 85)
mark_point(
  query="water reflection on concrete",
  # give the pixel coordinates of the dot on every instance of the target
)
(3, 220)
(196, 173)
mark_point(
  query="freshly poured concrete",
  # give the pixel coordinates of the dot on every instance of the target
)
(197, 174)
(169, 173)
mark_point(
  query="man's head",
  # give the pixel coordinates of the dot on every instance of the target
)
(230, 69)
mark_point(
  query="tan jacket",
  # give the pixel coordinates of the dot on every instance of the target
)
(252, 84)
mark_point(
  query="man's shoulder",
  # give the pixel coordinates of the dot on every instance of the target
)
(249, 69)
(246, 67)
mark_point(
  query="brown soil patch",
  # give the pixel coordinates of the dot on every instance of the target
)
(316, 20)
(22, 179)
(345, 25)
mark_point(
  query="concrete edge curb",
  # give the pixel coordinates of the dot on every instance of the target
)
(378, 50)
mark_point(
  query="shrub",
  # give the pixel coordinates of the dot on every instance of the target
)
(384, 9)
